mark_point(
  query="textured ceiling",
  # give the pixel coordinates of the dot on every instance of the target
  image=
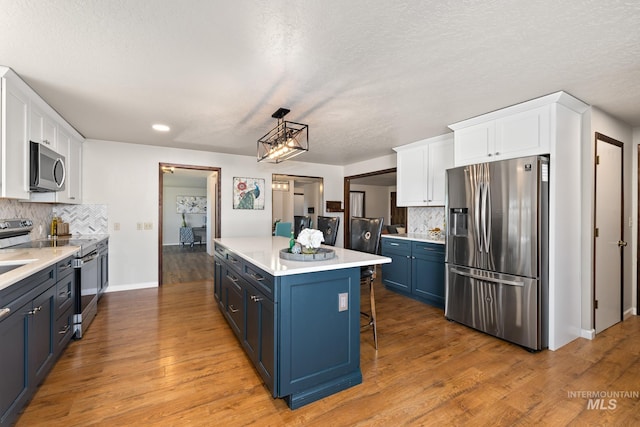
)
(366, 75)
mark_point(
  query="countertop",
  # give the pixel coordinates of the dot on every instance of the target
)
(37, 259)
(264, 252)
(419, 237)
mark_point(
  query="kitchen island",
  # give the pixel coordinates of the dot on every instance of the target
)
(298, 321)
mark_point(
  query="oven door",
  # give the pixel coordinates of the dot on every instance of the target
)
(86, 292)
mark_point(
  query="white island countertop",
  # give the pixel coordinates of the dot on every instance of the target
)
(419, 237)
(34, 260)
(264, 252)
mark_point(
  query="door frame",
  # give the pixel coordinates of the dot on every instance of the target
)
(609, 140)
(347, 189)
(638, 236)
(161, 167)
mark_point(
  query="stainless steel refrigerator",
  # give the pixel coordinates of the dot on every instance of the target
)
(497, 249)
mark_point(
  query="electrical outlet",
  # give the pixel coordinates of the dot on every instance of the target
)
(139, 226)
(116, 226)
(148, 226)
(343, 301)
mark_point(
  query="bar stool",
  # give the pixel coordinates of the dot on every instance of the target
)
(365, 237)
(329, 227)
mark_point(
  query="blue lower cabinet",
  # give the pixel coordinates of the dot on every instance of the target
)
(319, 344)
(416, 270)
(291, 327)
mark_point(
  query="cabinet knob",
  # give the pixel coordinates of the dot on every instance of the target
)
(489, 155)
(497, 153)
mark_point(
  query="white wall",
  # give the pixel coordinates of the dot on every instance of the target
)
(172, 220)
(598, 121)
(125, 178)
(376, 201)
(372, 165)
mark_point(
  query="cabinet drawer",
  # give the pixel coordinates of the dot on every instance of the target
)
(64, 268)
(260, 279)
(64, 294)
(63, 330)
(396, 245)
(428, 250)
(231, 259)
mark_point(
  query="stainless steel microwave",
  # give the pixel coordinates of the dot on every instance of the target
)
(47, 170)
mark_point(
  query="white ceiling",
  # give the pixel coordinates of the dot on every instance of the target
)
(365, 75)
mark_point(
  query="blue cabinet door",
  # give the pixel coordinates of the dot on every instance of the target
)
(319, 341)
(259, 335)
(397, 274)
(428, 272)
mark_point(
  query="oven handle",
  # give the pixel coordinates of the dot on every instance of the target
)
(79, 262)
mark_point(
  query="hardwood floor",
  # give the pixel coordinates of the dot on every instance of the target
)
(167, 357)
(182, 264)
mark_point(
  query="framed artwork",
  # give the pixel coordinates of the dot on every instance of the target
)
(248, 193)
(191, 204)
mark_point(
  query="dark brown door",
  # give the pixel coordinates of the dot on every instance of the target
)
(398, 215)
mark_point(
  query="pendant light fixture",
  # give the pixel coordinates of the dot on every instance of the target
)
(285, 141)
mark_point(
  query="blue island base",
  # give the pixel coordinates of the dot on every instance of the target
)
(320, 391)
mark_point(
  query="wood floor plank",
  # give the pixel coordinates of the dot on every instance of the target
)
(167, 357)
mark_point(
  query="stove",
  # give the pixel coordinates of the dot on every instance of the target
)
(14, 234)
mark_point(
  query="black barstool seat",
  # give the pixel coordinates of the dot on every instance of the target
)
(365, 237)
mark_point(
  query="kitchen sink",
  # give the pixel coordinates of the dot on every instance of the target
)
(7, 266)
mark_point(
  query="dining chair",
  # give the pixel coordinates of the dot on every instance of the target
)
(186, 236)
(365, 237)
(329, 227)
(300, 223)
(283, 229)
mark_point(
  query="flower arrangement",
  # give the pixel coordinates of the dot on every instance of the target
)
(310, 240)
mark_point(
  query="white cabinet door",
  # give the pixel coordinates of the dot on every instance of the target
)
(74, 171)
(440, 158)
(411, 177)
(64, 144)
(421, 171)
(43, 129)
(523, 134)
(474, 144)
(15, 142)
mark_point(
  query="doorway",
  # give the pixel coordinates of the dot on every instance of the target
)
(381, 178)
(608, 241)
(295, 195)
(204, 222)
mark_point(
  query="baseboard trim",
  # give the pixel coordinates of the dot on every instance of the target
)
(131, 287)
(588, 333)
(628, 313)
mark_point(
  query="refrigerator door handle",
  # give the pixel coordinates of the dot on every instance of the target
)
(487, 217)
(488, 279)
(477, 215)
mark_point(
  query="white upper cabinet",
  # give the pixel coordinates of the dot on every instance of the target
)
(71, 149)
(15, 137)
(421, 170)
(43, 128)
(524, 129)
(516, 135)
(27, 117)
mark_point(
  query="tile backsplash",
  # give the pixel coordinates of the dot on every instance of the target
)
(423, 219)
(39, 213)
(84, 219)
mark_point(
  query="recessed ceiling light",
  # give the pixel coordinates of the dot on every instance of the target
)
(161, 128)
